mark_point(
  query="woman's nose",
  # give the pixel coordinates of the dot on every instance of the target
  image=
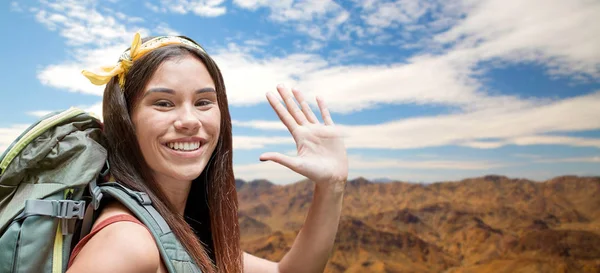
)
(187, 121)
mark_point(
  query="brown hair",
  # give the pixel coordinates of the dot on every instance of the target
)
(215, 186)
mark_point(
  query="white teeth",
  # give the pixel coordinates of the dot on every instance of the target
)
(184, 146)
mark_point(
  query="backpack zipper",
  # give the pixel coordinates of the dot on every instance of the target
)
(16, 257)
(35, 132)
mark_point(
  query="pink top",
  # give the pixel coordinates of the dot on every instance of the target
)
(100, 226)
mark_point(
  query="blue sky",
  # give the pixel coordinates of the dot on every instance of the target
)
(425, 90)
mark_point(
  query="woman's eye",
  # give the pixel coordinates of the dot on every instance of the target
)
(203, 103)
(163, 103)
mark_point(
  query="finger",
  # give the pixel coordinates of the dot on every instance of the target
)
(305, 107)
(281, 112)
(285, 160)
(291, 104)
(324, 111)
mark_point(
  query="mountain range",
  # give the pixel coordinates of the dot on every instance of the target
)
(485, 224)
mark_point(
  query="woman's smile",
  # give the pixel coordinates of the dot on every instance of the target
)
(185, 149)
(187, 144)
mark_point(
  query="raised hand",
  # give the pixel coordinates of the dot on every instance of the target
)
(321, 154)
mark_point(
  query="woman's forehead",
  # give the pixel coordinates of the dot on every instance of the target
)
(185, 73)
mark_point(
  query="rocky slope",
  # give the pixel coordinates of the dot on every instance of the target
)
(485, 224)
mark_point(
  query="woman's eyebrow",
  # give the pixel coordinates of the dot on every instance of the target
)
(172, 92)
(159, 90)
(205, 89)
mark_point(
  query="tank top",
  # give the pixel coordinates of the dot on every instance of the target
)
(100, 226)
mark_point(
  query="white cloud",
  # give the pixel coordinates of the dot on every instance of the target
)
(451, 78)
(293, 10)
(248, 79)
(39, 113)
(311, 46)
(522, 127)
(409, 23)
(590, 159)
(383, 14)
(256, 42)
(41, 16)
(351, 88)
(96, 39)
(81, 24)
(483, 144)
(67, 76)
(258, 142)
(448, 79)
(208, 10)
(260, 124)
(306, 10)
(14, 6)
(360, 162)
(273, 171)
(8, 135)
(366, 167)
(526, 126)
(164, 29)
(95, 109)
(555, 140)
(205, 8)
(535, 140)
(126, 18)
(317, 18)
(154, 8)
(559, 34)
(530, 156)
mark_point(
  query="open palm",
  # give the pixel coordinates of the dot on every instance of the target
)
(321, 152)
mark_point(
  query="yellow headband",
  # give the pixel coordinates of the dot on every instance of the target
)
(136, 51)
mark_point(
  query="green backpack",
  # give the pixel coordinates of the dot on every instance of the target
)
(51, 184)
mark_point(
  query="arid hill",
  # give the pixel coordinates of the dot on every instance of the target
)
(486, 224)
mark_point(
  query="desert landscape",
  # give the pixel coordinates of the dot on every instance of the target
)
(485, 224)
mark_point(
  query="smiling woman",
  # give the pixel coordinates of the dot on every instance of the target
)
(168, 130)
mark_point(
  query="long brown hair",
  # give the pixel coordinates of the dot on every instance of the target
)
(213, 196)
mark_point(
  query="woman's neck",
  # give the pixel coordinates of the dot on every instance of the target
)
(175, 190)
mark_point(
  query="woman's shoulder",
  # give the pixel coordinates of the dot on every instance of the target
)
(119, 245)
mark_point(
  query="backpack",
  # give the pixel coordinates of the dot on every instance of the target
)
(52, 180)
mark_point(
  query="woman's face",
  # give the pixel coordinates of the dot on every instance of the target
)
(177, 120)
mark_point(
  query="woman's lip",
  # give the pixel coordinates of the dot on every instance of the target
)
(185, 154)
(186, 139)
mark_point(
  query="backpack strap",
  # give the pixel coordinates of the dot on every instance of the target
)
(174, 255)
(62, 209)
(91, 213)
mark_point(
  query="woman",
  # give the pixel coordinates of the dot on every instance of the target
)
(169, 134)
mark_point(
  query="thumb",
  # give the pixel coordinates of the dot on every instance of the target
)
(285, 160)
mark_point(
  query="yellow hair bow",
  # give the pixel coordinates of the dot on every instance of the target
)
(136, 51)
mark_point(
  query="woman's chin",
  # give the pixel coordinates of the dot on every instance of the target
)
(184, 174)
